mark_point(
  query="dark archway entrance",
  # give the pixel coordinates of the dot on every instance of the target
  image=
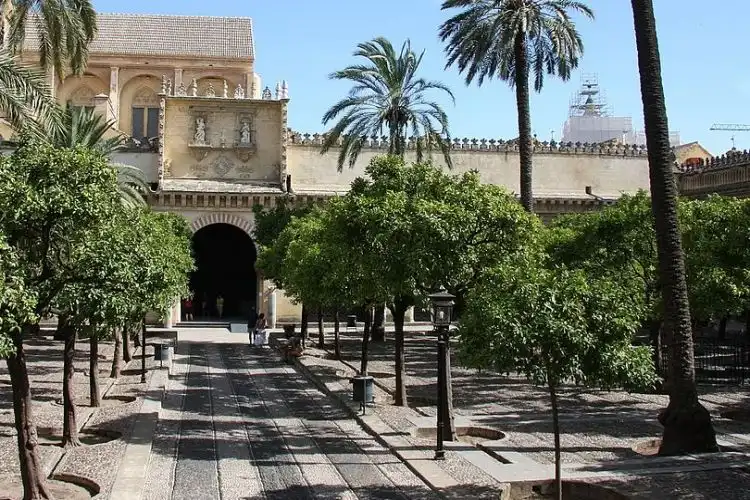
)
(225, 267)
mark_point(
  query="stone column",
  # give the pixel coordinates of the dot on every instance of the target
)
(249, 86)
(272, 310)
(114, 95)
(177, 78)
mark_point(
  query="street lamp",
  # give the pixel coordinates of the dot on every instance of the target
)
(442, 311)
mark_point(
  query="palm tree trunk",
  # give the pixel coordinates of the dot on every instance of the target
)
(32, 475)
(525, 150)
(687, 424)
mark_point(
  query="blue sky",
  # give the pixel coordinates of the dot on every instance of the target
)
(705, 67)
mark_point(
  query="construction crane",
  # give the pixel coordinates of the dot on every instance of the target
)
(731, 127)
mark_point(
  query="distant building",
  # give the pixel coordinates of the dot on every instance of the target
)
(589, 120)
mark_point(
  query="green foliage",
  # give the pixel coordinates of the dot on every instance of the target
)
(132, 263)
(556, 325)
(270, 223)
(617, 241)
(82, 127)
(16, 302)
(387, 95)
(716, 232)
(49, 200)
(483, 39)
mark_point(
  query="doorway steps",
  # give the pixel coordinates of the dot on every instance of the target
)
(203, 324)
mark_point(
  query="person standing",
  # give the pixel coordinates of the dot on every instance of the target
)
(220, 305)
(251, 325)
(188, 307)
(260, 331)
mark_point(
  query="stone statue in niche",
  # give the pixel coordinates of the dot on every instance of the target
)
(239, 92)
(181, 90)
(194, 88)
(245, 132)
(210, 92)
(226, 90)
(200, 131)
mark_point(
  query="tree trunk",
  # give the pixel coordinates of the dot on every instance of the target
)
(321, 330)
(303, 324)
(378, 324)
(336, 331)
(127, 355)
(525, 147)
(34, 485)
(399, 311)
(723, 328)
(687, 424)
(365, 341)
(449, 422)
(70, 425)
(747, 323)
(94, 392)
(136, 339)
(116, 365)
(556, 430)
(654, 334)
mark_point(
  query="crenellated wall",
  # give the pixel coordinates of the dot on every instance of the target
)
(727, 175)
(560, 170)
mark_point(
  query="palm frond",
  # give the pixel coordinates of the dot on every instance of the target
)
(386, 95)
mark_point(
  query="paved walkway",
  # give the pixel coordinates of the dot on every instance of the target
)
(236, 423)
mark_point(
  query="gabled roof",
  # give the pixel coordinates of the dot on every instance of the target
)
(168, 35)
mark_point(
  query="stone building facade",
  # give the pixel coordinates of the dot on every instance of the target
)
(214, 142)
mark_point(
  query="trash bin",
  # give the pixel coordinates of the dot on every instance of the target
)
(351, 321)
(363, 389)
(163, 352)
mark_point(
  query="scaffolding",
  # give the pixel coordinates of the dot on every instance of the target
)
(590, 119)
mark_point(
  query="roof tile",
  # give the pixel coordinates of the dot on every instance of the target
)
(168, 35)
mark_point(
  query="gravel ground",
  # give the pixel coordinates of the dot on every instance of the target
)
(95, 462)
(597, 426)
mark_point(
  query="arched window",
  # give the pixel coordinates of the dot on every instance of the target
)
(82, 98)
(145, 114)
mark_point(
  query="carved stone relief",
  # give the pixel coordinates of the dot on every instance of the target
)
(222, 166)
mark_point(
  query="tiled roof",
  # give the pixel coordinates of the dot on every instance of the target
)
(167, 35)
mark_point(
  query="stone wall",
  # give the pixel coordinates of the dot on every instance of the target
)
(239, 140)
(560, 171)
(728, 175)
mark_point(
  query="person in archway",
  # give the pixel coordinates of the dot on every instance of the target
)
(251, 319)
(187, 306)
(260, 331)
(220, 306)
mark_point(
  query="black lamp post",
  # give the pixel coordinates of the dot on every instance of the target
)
(442, 310)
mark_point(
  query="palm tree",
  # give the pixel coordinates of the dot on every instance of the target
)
(86, 128)
(687, 424)
(387, 96)
(63, 30)
(25, 99)
(511, 40)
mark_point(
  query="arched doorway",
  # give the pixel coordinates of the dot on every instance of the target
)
(225, 267)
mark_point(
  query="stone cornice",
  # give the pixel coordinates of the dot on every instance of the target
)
(490, 146)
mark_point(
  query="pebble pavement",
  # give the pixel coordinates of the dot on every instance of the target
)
(237, 423)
